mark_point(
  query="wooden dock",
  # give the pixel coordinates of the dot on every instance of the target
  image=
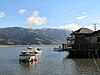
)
(73, 53)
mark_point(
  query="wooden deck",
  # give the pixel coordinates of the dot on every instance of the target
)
(79, 50)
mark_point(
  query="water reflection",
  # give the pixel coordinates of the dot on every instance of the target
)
(86, 66)
(26, 63)
(69, 67)
(83, 66)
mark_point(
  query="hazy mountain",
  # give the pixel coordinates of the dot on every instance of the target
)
(19, 35)
(56, 34)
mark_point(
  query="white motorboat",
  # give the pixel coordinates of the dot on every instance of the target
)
(58, 49)
(27, 55)
(38, 50)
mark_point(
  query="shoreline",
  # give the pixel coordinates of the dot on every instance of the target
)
(1, 46)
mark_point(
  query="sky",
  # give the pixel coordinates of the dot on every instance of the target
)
(61, 14)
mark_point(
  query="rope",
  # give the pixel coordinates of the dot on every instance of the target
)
(97, 54)
(95, 63)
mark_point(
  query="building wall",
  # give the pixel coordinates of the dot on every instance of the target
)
(81, 43)
(95, 41)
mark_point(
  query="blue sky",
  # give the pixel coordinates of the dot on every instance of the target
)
(66, 14)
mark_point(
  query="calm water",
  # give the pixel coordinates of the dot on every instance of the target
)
(49, 63)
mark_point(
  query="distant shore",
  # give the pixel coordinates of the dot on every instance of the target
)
(3, 46)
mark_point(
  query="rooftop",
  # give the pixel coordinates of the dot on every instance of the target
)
(82, 31)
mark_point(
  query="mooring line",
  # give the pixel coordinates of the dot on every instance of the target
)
(96, 63)
(97, 54)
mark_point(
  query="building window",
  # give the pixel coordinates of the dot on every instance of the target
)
(98, 39)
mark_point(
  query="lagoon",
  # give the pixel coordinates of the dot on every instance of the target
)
(49, 63)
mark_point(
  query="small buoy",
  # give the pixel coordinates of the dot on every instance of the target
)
(35, 59)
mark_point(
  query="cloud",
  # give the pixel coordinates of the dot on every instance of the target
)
(22, 11)
(92, 27)
(74, 27)
(2, 14)
(82, 17)
(71, 26)
(36, 20)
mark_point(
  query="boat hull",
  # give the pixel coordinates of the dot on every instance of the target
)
(38, 51)
(26, 58)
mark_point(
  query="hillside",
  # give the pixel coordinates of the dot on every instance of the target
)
(19, 35)
(56, 34)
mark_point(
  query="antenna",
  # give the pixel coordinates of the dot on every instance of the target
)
(95, 26)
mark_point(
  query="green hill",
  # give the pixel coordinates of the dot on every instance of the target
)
(19, 35)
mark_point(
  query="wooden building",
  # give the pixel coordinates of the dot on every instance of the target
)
(84, 41)
(80, 41)
(94, 40)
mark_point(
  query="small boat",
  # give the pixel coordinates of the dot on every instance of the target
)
(58, 49)
(38, 50)
(27, 55)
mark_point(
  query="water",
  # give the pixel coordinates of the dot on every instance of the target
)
(49, 63)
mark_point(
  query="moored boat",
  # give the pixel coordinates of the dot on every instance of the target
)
(58, 49)
(27, 55)
(38, 50)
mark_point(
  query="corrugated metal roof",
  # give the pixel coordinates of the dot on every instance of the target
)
(82, 31)
(95, 32)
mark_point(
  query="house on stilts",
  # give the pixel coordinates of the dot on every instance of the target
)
(83, 43)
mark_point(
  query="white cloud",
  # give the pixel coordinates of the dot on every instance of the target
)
(82, 17)
(22, 11)
(36, 20)
(71, 26)
(92, 27)
(2, 14)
